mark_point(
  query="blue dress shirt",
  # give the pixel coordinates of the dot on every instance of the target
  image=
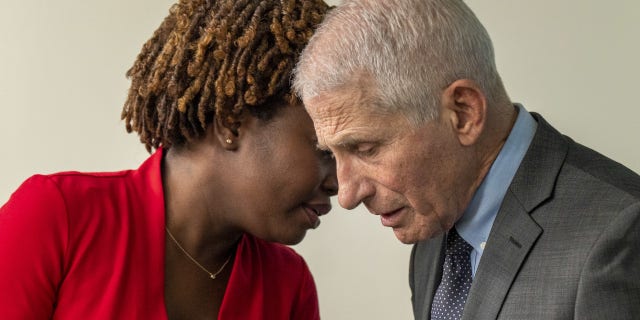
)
(476, 222)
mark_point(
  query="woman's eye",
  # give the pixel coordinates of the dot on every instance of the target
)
(328, 154)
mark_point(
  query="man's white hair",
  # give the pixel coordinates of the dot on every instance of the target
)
(412, 49)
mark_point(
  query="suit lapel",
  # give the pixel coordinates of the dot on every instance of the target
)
(426, 269)
(511, 239)
(514, 231)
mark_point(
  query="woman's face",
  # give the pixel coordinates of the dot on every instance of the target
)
(285, 180)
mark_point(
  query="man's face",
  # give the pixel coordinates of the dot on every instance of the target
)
(417, 180)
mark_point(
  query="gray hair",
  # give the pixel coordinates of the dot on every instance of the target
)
(413, 49)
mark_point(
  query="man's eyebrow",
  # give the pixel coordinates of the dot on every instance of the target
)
(322, 147)
(348, 142)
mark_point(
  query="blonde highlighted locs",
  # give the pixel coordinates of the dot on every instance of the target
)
(216, 59)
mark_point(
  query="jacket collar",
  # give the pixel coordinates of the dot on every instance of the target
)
(514, 232)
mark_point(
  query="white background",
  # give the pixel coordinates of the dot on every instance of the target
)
(62, 85)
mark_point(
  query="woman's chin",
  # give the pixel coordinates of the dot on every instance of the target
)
(291, 239)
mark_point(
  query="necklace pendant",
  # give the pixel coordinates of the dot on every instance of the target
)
(211, 275)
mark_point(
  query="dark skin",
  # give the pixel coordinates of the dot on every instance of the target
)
(273, 166)
(189, 292)
(215, 61)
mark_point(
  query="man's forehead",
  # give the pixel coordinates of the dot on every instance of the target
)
(343, 100)
(344, 119)
(330, 114)
(359, 88)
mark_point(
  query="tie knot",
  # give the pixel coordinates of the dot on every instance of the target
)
(456, 245)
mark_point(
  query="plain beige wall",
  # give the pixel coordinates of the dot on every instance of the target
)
(62, 85)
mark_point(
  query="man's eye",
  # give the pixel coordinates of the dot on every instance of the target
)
(367, 149)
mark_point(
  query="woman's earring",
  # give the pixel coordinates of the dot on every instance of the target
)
(229, 141)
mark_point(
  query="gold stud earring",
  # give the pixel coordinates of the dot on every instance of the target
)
(229, 141)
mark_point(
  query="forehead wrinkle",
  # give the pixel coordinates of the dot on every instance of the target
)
(334, 118)
(336, 113)
(333, 128)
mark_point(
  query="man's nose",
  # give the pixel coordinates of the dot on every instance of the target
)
(353, 188)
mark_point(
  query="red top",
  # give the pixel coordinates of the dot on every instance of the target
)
(91, 246)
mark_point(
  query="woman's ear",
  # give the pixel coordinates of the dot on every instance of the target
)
(227, 138)
(466, 106)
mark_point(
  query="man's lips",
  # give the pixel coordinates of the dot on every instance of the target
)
(391, 218)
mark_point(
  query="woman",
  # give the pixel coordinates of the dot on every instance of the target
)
(189, 233)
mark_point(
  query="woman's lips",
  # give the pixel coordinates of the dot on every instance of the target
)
(320, 208)
(314, 211)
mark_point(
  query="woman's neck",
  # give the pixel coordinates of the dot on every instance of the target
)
(194, 212)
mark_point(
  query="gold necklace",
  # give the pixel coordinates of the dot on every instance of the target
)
(211, 275)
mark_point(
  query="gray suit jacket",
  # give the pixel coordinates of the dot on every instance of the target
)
(564, 245)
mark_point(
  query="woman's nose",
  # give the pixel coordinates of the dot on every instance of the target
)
(330, 182)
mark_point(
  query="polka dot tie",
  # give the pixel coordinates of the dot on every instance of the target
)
(448, 302)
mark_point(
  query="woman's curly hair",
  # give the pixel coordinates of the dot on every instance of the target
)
(213, 58)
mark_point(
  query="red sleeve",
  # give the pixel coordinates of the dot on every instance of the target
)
(306, 307)
(33, 238)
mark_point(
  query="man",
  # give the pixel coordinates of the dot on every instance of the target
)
(510, 219)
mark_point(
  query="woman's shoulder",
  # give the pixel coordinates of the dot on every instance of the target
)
(68, 181)
(78, 180)
(67, 194)
(36, 195)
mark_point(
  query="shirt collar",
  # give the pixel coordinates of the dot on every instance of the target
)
(476, 222)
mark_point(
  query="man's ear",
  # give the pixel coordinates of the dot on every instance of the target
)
(227, 138)
(466, 106)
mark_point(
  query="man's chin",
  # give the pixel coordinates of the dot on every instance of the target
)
(404, 237)
(408, 237)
